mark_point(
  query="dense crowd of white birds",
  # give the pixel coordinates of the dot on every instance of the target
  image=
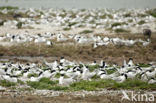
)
(71, 72)
(127, 19)
(106, 19)
(50, 39)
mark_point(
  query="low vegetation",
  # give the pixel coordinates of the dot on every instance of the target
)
(66, 29)
(127, 15)
(141, 22)
(95, 84)
(19, 25)
(118, 24)
(92, 68)
(121, 30)
(8, 7)
(71, 24)
(152, 12)
(6, 83)
(32, 75)
(144, 65)
(44, 83)
(86, 31)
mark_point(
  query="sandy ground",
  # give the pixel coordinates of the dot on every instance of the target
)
(75, 97)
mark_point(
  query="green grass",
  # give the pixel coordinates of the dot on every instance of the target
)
(8, 7)
(57, 75)
(32, 75)
(19, 25)
(66, 29)
(141, 15)
(141, 22)
(86, 31)
(20, 82)
(111, 71)
(48, 81)
(92, 68)
(93, 85)
(121, 30)
(71, 24)
(127, 15)
(25, 89)
(58, 88)
(6, 83)
(84, 85)
(43, 83)
(103, 16)
(97, 84)
(118, 24)
(130, 20)
(144, 65)
(134, 84)
(152, 12)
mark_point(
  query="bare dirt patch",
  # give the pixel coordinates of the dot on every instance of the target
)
(105, 98)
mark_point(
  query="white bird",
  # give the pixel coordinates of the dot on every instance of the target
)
(145, 43)
(87, 75)
(105, 76)
(152, 81)
(95, 45)
(131, 74)
(34, 79)
(106, 39)
(62, 60)
(48, 64)
(144, 77)
(94, 63)
(124, 63)
(2, 72)
(10, 79)
(121, 78)
(65, 81)
(130, 63)
(151, 74)
(49, 43)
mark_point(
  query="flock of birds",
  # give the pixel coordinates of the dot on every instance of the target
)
(71, 72)
(127, 19)
(50, 39)
(92, 18)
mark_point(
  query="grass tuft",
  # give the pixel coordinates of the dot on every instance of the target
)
(118, 24)
(32, 75)
(152, 12)
(141, 22)
(121, 30)
(86, 31)
(71, 24)
(92, 68)
(143, 65)
(6, 83)
(95, 84)
(43, 83)
(66, 29)
(20, 82)
(19, 25)
(8, 7)
(134, 84)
